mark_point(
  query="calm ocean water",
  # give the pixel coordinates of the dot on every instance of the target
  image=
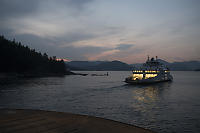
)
(163, 107)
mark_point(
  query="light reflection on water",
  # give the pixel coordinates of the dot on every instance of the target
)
(163, 107)
(147, 98)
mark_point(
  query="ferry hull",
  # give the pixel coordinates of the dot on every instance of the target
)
(146, 82)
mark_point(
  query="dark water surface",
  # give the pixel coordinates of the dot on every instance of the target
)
(164, 107)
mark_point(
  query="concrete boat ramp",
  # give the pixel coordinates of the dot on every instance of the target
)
(37, 121)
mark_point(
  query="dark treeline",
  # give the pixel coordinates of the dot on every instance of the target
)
(15, 57)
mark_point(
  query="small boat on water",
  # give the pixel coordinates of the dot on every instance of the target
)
(152, 71)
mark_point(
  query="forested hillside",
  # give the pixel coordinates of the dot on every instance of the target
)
(17, 58)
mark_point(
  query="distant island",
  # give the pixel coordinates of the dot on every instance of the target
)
(20, 59)
(98, 66)
(121, 66)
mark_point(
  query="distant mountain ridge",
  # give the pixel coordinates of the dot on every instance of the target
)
(113, 66)
(99, 66)
(121, 66)
(185, 66)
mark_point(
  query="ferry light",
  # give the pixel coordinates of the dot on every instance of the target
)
(137, 76)
(150, 76)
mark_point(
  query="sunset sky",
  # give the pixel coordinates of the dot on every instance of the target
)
(125, 30)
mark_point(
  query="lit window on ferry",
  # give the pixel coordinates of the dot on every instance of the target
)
(150, 76)
(137, 76)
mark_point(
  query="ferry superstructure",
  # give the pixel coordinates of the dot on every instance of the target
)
(151, 72)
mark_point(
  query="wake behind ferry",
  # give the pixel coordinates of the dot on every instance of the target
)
(152, 71)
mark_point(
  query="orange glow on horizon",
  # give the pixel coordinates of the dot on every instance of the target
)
(65, 60)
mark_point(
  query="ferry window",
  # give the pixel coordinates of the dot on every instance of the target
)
(137, 76)
(150, 76)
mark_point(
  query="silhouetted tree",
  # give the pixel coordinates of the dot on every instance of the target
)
(14, 57)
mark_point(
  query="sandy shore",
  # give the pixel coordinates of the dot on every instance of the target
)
(34, 121)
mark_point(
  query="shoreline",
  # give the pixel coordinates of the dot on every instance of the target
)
(35, 75)
(27, 120)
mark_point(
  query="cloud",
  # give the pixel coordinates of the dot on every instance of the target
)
(14, 8)
(76, 53)
(78, 4)
(91, 29)
(50, 46)
(103, 55)
(124, 46)
(74, 37)
(112, 53)
(17, 8)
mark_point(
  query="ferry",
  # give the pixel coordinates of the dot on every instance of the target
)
(153, 71)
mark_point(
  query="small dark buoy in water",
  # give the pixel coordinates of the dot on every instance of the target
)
(107, 74)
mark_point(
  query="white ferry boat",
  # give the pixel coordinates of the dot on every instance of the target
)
(152, 71)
